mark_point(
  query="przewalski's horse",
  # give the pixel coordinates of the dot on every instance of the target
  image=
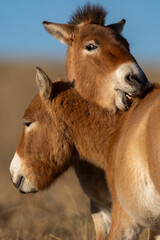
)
(98, 57)
(60, 127)
(100, 62)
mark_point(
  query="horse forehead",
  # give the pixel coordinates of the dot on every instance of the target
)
(35, 108)
(96, 32)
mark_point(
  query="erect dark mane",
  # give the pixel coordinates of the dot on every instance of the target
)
(89, 13)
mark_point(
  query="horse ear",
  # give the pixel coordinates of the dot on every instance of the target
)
(118, 27)
(63, 32)
(44, 83)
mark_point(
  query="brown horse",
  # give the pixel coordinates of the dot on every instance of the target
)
(60, 127)
(100, 62)
(98, 57)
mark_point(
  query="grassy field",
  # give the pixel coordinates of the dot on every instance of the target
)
(61, 212)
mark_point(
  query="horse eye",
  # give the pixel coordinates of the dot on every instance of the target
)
(27, 124)
(91, 47)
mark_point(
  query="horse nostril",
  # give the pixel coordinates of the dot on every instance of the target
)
(128, 77)
(131, 78)
(19, 181)
(134, 77)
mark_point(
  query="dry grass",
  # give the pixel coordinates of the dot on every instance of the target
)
(54, 214)
(60, 213)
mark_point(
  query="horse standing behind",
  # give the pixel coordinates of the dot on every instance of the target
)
(60, 127)
(99, 60)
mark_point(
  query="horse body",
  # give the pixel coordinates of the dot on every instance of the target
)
(99, 60)
(135, 149)
(81, 129)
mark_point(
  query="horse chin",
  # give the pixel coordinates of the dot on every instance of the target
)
(30, 191)
(26, 187)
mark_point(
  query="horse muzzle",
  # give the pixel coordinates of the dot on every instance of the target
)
(19, 178)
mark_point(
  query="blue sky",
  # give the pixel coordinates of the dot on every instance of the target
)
(22, 33)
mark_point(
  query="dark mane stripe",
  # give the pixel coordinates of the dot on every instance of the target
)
(89, 13)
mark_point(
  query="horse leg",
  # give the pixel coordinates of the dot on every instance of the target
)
(122, 226)
(93, 183)
(101, 218)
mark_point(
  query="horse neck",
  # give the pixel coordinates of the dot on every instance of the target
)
(90, 126)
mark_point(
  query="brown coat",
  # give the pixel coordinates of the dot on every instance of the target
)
(61, 127)
(99, 61)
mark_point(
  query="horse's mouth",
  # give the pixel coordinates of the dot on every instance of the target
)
(129, 96)
(26, 187)
(127, 99)
(22, 186)
(123, 99)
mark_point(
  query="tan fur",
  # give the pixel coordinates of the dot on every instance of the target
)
(92, 73)
(94, 77)
(68, 128)
(131, 181)
(94, 70)
(66, 118)
(152, 235)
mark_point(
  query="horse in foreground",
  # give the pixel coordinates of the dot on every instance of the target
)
(60, 127)
(99, 60)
